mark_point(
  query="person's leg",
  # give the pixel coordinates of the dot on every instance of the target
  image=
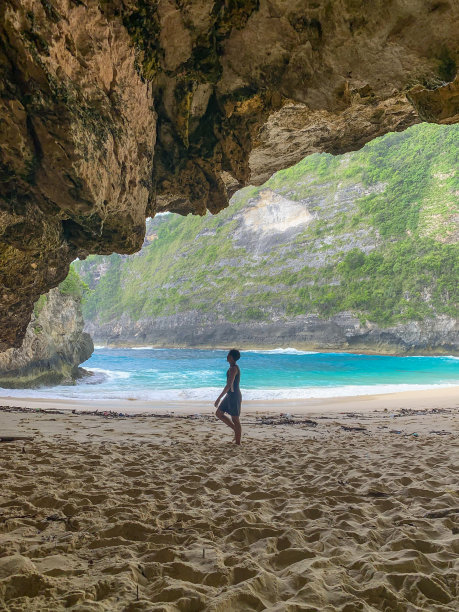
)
(237, 429)
(222, 416)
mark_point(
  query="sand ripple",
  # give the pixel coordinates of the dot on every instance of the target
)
(343, 521)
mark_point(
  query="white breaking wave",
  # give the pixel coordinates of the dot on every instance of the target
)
(276, 351)
(282, 351)
(89, 393)
(141, 348)
(111, 374)
(331, 392)
(426, 356)
(211, 393)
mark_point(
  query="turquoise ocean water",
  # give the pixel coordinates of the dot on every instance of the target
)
(189, 374)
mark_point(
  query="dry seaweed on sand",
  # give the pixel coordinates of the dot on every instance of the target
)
(284, 419)
(403, 412)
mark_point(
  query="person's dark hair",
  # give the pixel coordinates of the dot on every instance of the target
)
(235, 354)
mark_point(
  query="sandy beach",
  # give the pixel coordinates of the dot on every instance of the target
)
(346, 504)
(446, 397)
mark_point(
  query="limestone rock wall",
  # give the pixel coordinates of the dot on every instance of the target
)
(53, 347)
(342, 332)
(76, 147)
(112, 110)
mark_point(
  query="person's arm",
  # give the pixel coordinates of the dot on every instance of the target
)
(229, 384)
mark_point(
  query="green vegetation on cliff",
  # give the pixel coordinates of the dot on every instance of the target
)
(372, 232)
(73, 285)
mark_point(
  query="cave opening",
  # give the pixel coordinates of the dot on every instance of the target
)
(364, 241)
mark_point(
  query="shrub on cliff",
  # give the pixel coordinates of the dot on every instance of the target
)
(73, 285)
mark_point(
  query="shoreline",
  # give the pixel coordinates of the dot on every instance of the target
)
(308, 348)
(445, 397)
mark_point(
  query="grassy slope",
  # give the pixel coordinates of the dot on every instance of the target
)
(193, 262)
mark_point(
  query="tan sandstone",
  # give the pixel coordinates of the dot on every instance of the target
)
(113, 110)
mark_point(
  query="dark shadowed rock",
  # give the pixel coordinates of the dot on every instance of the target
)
(111, 111)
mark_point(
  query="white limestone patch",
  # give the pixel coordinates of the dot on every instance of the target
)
(273, 214)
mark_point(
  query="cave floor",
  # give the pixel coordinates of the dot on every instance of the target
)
(325, 511)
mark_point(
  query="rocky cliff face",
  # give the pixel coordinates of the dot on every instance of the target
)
(341, 332)
(113, 110)
(53, 347)
(310, 260)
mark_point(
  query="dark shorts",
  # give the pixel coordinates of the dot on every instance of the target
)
(231, 404)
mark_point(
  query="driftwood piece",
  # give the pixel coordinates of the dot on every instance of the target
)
(13, 438)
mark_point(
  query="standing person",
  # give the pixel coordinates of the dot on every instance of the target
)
(231, 403)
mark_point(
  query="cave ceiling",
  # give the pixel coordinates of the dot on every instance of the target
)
(113, 110)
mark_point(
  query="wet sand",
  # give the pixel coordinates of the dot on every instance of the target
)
(354, 507)
(430, 398)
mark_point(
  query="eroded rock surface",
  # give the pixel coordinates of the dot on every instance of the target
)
(342, 332)
(53, 347)
(77, 136)
(112, 110)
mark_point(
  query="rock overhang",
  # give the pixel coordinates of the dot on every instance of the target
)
(112, 111)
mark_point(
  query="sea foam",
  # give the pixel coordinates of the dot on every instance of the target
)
(111, 374)
(209, 394)
(281, 351)
(142, 348)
